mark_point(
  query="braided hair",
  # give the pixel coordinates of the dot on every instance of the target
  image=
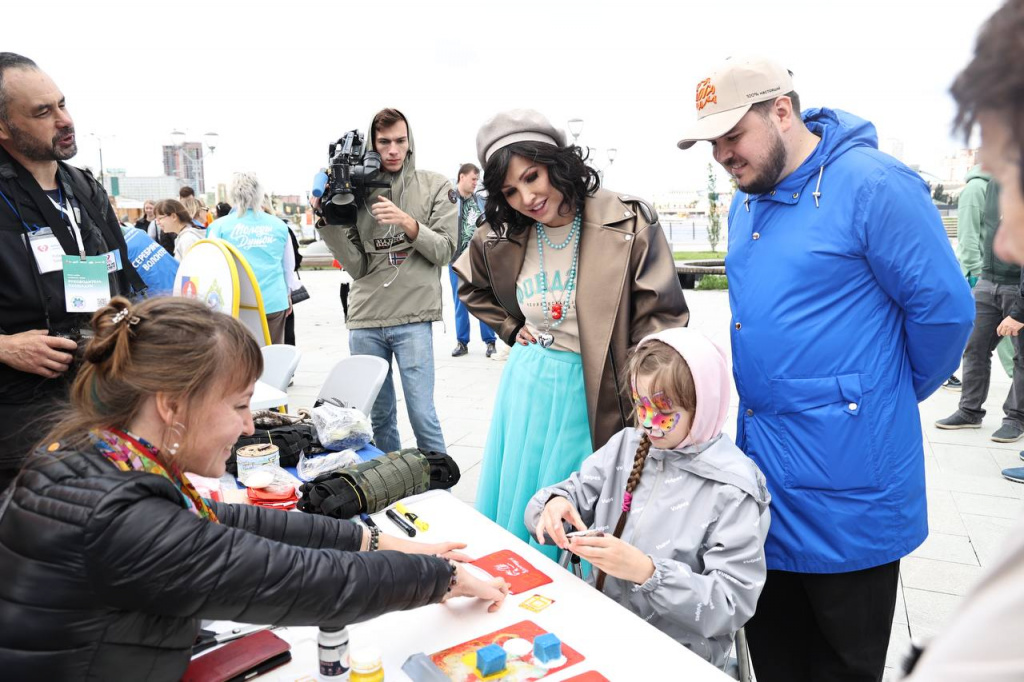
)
(639, 459)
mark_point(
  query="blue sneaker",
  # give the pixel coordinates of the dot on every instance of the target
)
(1016, 474)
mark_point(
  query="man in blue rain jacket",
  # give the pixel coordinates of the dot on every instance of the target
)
(848, 308)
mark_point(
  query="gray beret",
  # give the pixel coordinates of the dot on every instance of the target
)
(516, 125)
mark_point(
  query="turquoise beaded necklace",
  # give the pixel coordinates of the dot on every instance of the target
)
(555, 314)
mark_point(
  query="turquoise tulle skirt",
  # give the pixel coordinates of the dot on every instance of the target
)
(539, 434)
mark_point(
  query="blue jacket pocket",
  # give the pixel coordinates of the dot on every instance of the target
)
(825, 432)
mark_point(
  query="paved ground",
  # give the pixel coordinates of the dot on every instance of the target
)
(970, 506)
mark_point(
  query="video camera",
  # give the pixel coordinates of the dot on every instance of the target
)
(352, 171)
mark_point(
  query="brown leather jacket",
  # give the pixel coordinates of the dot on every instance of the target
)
(627, 289)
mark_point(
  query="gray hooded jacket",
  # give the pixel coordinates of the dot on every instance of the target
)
(700, 512)
(396, 281)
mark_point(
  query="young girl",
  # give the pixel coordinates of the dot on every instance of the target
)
(681, 513)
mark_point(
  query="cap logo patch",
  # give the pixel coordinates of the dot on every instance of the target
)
(705, 94)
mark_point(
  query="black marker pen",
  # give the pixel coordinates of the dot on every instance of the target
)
(400, 522)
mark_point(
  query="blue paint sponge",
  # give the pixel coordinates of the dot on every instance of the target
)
(547, 647)
(490, 660)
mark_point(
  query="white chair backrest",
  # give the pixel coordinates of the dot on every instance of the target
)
(356, 381)
(279, 364)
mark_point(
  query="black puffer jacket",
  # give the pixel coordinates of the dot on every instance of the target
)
(104, 574)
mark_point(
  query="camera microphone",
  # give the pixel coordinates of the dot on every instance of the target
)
(319, 184)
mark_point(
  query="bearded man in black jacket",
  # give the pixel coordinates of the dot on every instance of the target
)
(47, 209)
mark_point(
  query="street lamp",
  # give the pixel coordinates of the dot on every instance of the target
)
(99, 141)
(575, 128)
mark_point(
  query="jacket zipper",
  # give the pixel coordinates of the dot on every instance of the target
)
(628, 592)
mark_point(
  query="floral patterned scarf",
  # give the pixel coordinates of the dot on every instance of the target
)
(131, 453)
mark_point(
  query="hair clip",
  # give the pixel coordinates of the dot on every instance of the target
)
(123, 314)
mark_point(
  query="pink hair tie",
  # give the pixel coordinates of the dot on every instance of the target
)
(627, 502)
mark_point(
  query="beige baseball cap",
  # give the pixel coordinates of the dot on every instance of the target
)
(727, 94)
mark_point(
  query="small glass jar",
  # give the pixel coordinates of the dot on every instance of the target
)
(366, 665)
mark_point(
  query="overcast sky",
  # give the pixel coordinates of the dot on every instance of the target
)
(279, 80)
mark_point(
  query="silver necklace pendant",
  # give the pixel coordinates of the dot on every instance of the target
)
(545, 339)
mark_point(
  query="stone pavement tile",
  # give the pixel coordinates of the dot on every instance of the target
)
(1007, 458)
(988, 535)
(964, 459)
(943, 547)
(982, 485)
(943, 515)
(928, 611)
(465, 456)
(989, 505)
(465, 489)
(936, 576)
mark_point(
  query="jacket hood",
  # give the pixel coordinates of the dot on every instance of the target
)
(410, 158)
(710, 377)
(839, 132)
(977, 174)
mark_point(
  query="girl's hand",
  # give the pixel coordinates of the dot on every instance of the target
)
(445, 550)
(524, 337)
(615, 557)
(557, 510)
(468, 585)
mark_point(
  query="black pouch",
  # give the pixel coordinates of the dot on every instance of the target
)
(371, 486)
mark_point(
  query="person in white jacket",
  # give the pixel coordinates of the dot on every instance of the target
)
(678, 513)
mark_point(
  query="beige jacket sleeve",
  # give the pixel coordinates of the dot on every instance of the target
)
(476, 293)
(346, 246)
(437, 238)
(657, 296)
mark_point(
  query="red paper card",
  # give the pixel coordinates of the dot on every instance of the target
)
(459, 662)
(514, 569)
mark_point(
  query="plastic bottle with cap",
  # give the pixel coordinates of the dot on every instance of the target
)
(332, 645)
(366, 665)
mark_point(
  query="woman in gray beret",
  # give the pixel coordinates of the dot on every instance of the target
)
(571, 276)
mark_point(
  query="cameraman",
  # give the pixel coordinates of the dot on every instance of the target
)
(394, 242)
(47, 207)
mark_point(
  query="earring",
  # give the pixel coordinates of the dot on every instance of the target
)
(178, 435)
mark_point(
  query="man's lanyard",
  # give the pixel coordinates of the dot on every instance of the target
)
(69, 216)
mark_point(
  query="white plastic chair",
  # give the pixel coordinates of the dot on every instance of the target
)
(279, 364)
(356, 381)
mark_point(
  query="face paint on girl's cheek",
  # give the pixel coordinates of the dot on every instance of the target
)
(649, 413)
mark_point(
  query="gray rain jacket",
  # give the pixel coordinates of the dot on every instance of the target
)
(396, 281)
(700, 512)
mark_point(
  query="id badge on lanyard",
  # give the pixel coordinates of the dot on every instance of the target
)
(86, 284)
(46, 249)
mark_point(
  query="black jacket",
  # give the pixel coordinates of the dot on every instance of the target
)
(29, 300)
(106, 574)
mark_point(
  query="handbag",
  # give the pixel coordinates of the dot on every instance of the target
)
(299, 295)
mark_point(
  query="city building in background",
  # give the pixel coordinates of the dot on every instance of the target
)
(119, 184)
(185, 162)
